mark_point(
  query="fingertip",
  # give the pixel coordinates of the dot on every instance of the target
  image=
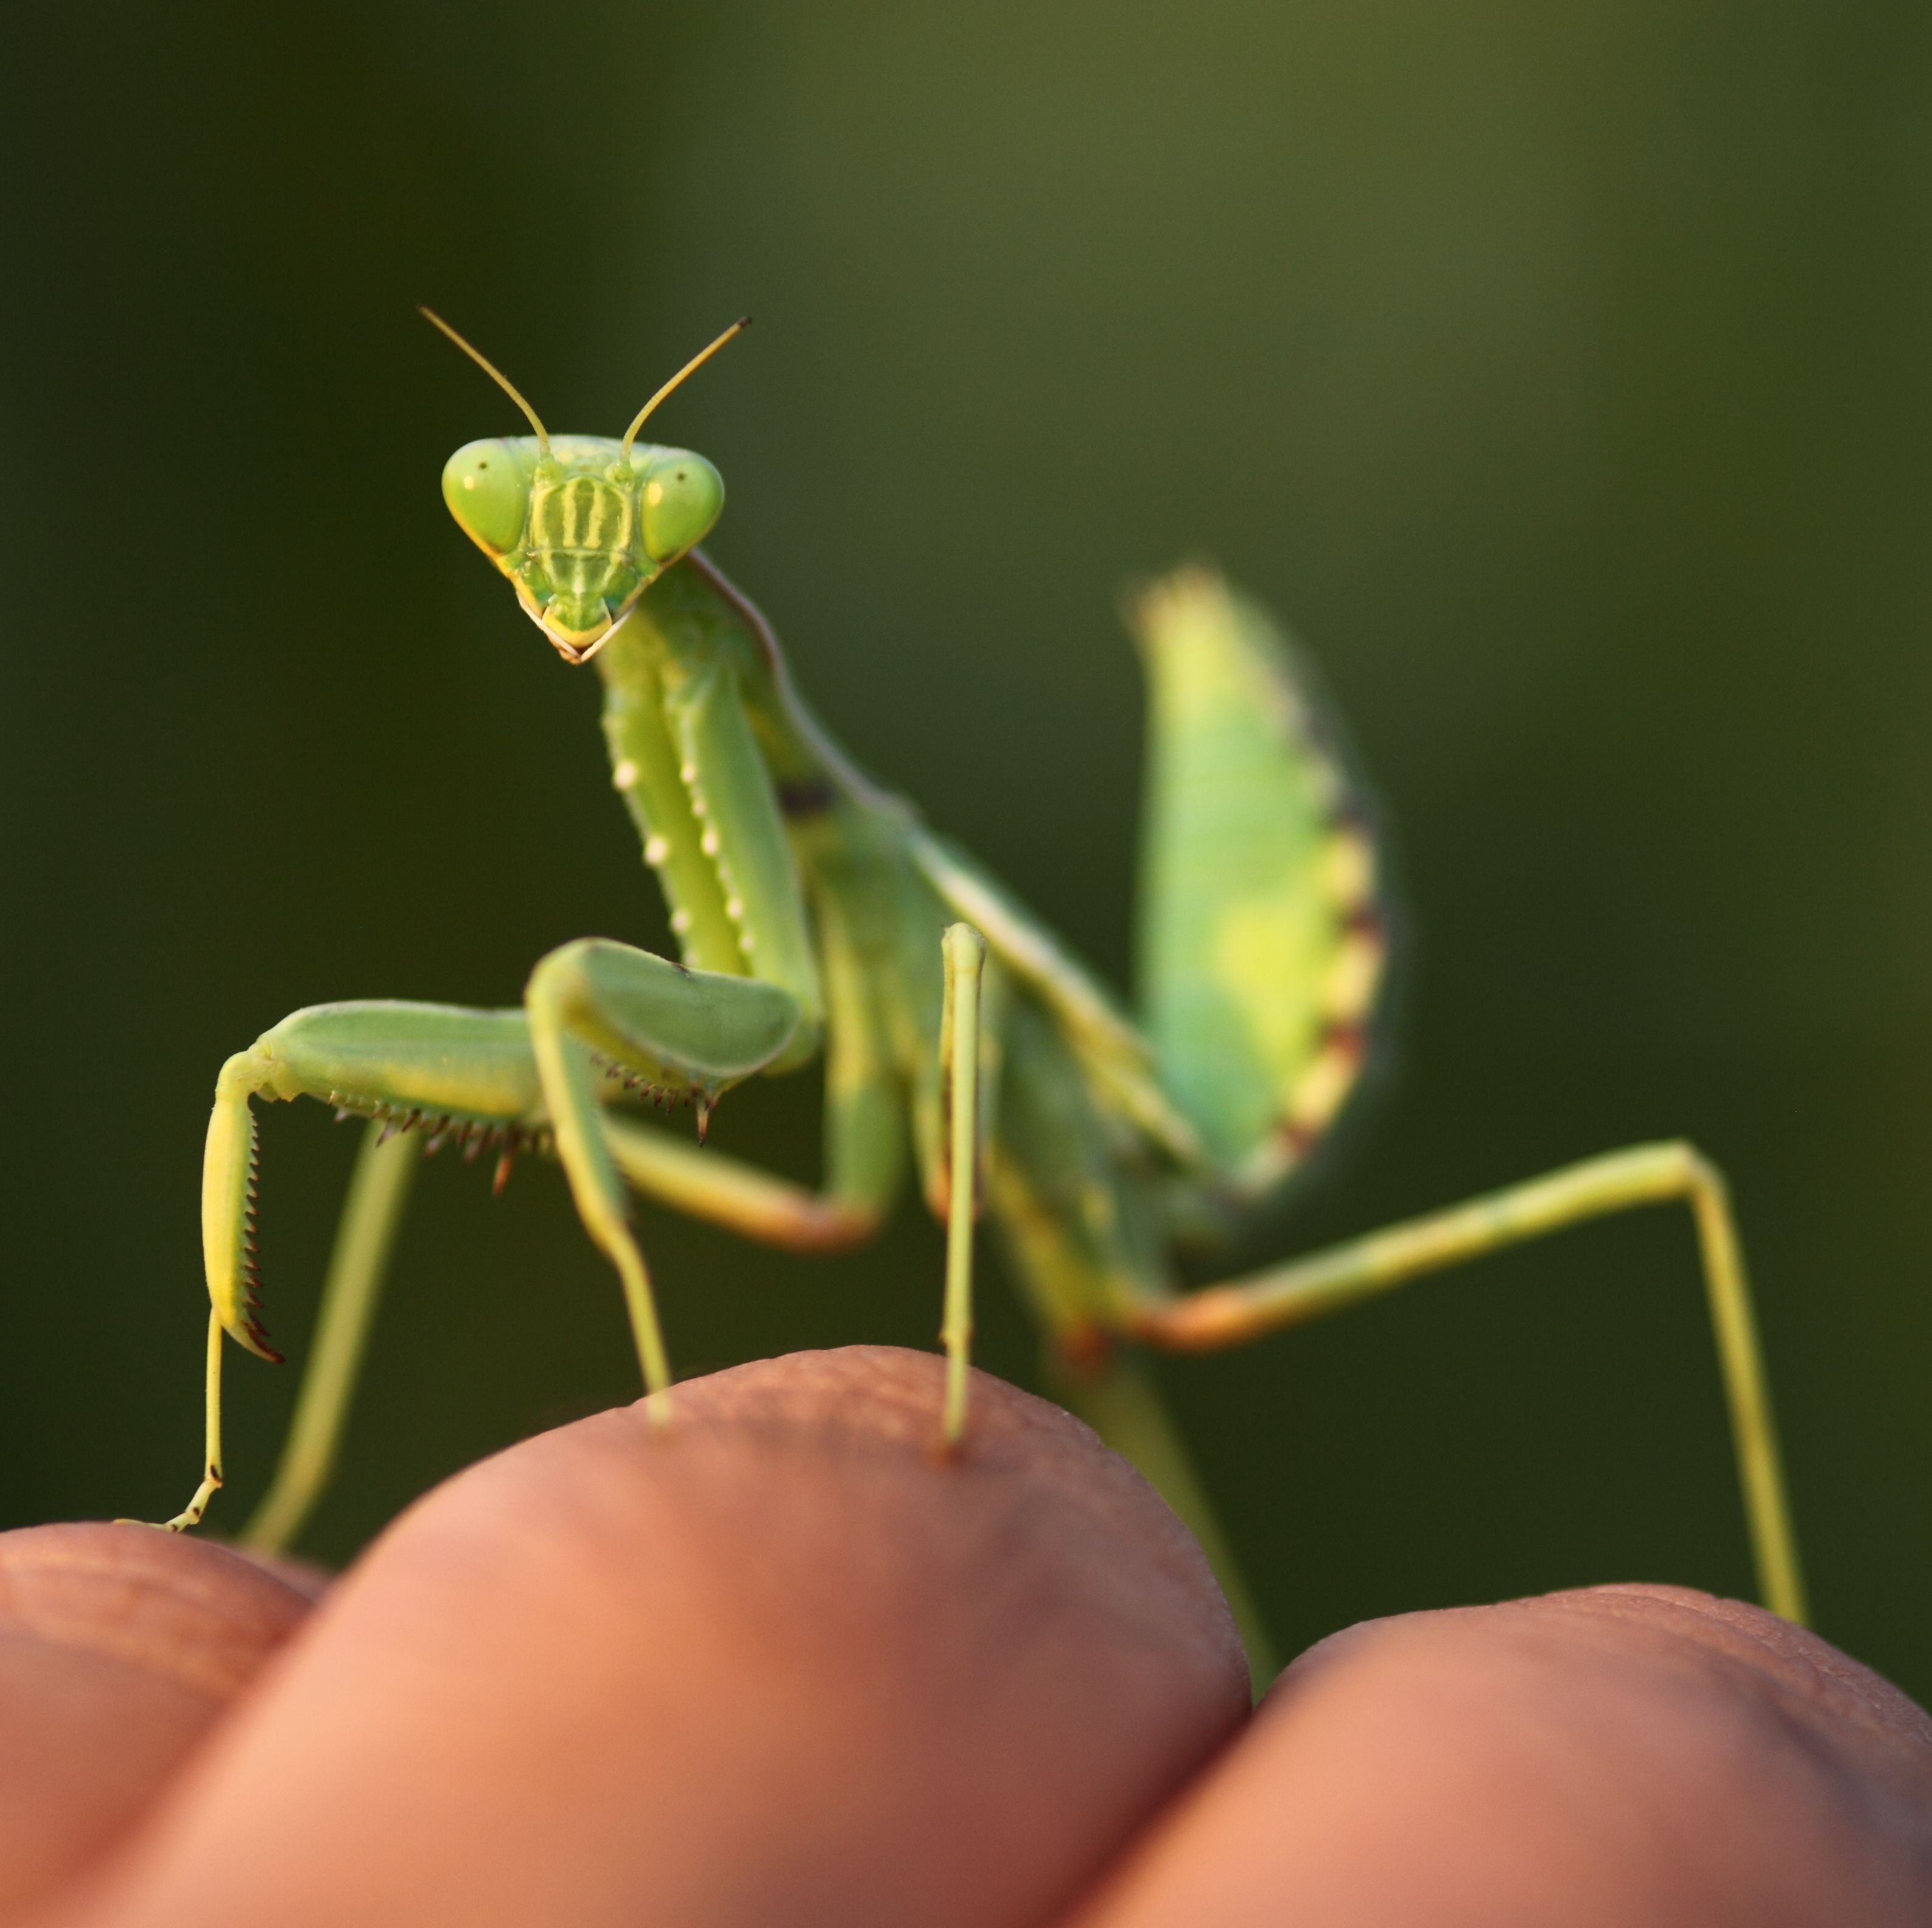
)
(120, 1648)
(1636, 1755)
(769, 1662)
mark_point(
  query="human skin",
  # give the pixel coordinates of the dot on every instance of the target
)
(780, 1662)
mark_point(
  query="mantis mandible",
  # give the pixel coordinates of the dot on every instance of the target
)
(816, 912)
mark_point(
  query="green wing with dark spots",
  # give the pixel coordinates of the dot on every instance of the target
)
(1261, 947)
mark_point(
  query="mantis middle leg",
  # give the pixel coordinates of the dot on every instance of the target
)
(1244, 1308)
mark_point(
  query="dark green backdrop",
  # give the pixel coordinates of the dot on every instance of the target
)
(1566, 375)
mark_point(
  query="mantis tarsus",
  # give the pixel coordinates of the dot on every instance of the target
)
(815, 910)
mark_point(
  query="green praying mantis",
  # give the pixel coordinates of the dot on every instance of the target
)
(816, 913)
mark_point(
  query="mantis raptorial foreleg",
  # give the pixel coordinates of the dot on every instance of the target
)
(708, 1185)
(603, 999)
(1244, 1308)
(725, 1190)
(865, 1136)
(509, 1077)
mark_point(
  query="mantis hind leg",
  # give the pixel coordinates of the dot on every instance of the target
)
(965, 955)
(1082, 1235)
(1116, 1396)
(1244, 1308)
(365, 1238)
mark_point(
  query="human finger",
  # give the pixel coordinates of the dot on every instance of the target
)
(120, 1648)
(1631, 1756)
(774, 1662)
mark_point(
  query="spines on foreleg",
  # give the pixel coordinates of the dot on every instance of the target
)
(228, 1191)
(441, 1068)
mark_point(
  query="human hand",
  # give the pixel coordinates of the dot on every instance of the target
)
(776, 1665)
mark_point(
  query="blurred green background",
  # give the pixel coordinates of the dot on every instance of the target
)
(1565, 375)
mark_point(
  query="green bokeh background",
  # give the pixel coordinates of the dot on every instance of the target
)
(1566, 376)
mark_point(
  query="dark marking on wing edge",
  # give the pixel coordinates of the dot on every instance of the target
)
(806, 797)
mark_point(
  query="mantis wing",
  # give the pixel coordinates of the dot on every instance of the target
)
(1262, 941)
(1262, 944)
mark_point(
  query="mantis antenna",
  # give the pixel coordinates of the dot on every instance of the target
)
(691, 367)
(504, 382)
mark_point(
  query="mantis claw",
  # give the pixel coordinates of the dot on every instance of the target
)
(191, 1514)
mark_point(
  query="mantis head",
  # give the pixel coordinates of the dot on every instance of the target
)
(582, 524)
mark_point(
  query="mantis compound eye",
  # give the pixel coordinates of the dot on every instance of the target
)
(484, 486)
(680, 497)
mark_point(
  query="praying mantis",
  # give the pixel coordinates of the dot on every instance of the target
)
(817, 914)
